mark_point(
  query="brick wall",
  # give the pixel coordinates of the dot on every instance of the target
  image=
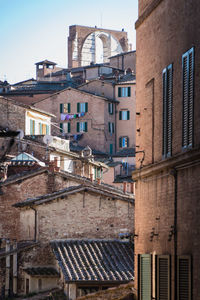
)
(12, 116)
(164, 34)
(83, 215)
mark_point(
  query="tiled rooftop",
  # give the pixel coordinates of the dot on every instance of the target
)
(95, 260)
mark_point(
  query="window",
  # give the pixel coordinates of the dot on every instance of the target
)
(167, 110)
(124, 142)
(110, 108)
(154, 278)
(124, 91)
(82, 107)
(32, 127)
(184, 277)
(65, 108)
(188, 96)
(111, 127)
(43, 129)
(81, 126)
(124, 115)
(67, 127)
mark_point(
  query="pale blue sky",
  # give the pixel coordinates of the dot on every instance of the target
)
(34, 30)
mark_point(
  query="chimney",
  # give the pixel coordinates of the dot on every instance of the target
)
(124, 186)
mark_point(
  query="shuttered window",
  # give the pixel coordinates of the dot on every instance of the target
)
(65, 108)
(167, 110)
(81, 127)
(110, 108)
(111, 127)
(145, 277)
(32, 127)
(163, 277)
(188, 98)
(184, 278)
(82, 107)
(124, 142)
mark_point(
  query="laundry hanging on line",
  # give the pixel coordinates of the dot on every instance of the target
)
(68, 117)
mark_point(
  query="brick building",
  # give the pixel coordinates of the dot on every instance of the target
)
(167, 222)
(83, 117)
(91, 211)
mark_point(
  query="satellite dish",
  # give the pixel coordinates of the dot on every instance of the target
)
(47, 139)
(20, 134)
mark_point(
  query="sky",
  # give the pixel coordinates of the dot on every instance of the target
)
(34, 30)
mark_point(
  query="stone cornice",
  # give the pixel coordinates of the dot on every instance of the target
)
(181, 160)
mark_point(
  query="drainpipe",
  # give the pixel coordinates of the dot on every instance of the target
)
(35, 231)
(7, 281)
(175, 175)
(15, 268)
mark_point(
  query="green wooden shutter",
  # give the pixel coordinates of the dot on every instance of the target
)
(40, 128)
(145, 277)
(113, 127)
(163, 277)
(86, 107)
(169, 108)
(109, 108)
(127, 142)
(111, 148)
(69, 127)
(61, 108)
(31, 127)
(77, 127)
(47, 129)
(120, 142)
(112, 109)
(78, 107)
(128, 115)
(109, 127)
(164, 140)
(69, 107)
(129, 91)
(119, 91)
(184, 278)
(188, 98)
(61, 127)
(86, 129)
(120, 115)
(190, 95)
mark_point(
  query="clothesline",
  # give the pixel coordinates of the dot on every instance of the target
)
(68, 117)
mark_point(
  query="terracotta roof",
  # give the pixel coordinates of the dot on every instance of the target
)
(108, 191)
(42, 271)
(95, 260)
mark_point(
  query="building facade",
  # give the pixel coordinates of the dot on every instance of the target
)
(168, 150)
